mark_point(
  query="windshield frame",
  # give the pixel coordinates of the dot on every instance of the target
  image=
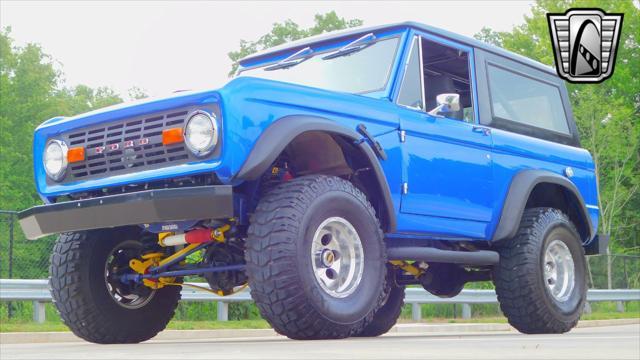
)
(323, 48)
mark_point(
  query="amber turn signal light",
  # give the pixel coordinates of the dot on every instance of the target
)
(75, 154)
(172, 136)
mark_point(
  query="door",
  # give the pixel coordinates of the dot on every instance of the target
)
(447, 167)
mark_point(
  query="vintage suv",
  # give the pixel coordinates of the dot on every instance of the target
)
(329, 174)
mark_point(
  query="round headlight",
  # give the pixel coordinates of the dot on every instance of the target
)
(201, 133)
(55, 159)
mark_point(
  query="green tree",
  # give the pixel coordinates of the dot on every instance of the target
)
(31, 92)
(136, 93)
(27, 77)
(289, 31)
(607, 114)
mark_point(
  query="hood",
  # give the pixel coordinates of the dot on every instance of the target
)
(134, 108)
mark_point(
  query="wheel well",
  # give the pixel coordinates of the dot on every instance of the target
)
(319, 152)
(559, 197)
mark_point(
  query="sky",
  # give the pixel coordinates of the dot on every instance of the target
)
(163, 46)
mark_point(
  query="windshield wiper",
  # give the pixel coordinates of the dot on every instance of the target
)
(292, 60)
(352, 47)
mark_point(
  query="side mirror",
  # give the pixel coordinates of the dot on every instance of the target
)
(447, 103)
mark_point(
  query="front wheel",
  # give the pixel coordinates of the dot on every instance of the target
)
(315, 258)
(387, 315)
(89, 296)
(541, 277)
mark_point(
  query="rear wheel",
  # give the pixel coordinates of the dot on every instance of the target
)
(89, 296)
(541, 277)
(315, 258)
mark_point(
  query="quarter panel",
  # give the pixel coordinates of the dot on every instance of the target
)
(513, 153)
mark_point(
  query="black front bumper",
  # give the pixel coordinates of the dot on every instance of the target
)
(144, 207)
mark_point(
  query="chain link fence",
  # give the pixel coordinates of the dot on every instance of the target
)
(21, 258)
(625, 271)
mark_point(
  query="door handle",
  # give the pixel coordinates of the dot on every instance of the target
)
(481, 129)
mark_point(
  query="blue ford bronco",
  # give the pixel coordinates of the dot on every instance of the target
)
(328, 175)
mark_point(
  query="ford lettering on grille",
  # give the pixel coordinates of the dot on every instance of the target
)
(119, 146)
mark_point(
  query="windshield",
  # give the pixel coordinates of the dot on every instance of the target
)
(359, 72)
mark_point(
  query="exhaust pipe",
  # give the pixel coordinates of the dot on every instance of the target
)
(429, 254)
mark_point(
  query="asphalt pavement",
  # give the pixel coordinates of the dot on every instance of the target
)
(610, 342)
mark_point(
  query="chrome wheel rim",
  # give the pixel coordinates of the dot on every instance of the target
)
(129, 296)
(337, 257)
(559, 270)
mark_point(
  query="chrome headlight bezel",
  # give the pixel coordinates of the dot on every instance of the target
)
(213, 141)
(64, 163)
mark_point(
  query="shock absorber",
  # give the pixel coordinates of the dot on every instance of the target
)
(197, 236)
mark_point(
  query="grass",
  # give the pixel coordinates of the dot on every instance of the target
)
(197, 316)
(18, 325)
(444, 320)
(503, 320)
(208, 325)
(22, 326)
(611, 315)
(30, 326)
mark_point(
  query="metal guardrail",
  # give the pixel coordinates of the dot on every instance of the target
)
(37, 291)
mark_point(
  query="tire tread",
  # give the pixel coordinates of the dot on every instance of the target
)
(68, 283)
(272, 264)
(517, 285)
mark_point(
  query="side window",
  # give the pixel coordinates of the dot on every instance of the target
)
(411, 88)
(446, 70)
(525, 100)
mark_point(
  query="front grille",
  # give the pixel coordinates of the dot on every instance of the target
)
(127, 145)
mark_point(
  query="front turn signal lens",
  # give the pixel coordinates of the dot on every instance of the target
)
(75, 154)
(172, 136)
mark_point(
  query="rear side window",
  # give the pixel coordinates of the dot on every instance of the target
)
(527, 101)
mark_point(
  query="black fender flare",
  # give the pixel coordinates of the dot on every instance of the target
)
(521, 186)
(279, 134)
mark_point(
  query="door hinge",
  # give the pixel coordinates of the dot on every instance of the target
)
(403, 136)
(405, 188)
